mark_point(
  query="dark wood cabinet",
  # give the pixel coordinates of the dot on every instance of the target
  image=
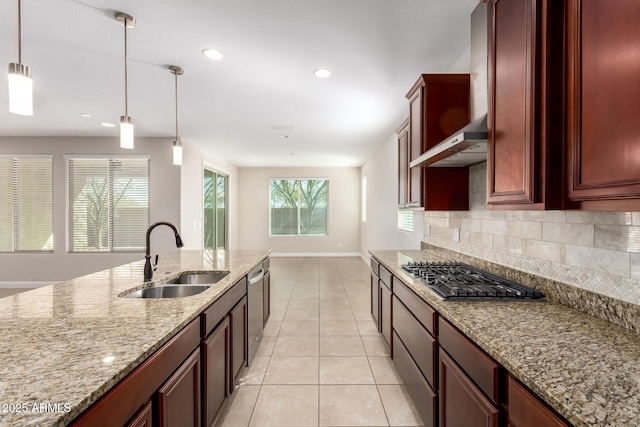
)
(526, 410)
(461, 402)
(216, 363)
(144, 418)
(602, 126)
(386, 316)
(238, 331)
(525, 138)
(266, 310)
(438, 106)
(179, 397)
(375, 300)
(403, 164)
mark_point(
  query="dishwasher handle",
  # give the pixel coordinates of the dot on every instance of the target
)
(256, 278)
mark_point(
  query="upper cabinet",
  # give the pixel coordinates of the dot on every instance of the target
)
(403, 164)
(563, 122)
(438, 106)
(603, 113)
(524, 149)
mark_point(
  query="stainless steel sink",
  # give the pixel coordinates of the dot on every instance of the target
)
(168, 291)
(198, 278)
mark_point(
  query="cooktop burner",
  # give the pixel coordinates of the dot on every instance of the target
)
(453, 280)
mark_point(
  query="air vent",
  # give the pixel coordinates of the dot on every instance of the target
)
(282, 127)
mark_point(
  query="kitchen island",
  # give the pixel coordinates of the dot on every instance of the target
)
(583, 367)
(65, 345)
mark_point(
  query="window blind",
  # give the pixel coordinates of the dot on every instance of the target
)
(26, 210)
(405, 220)
(108, 203)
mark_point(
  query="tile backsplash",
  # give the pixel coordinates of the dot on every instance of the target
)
(595, 251)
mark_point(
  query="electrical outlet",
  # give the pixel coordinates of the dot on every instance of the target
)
(456, 235)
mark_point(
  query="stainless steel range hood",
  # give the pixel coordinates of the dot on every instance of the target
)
(465, 147)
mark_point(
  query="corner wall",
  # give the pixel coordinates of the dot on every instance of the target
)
(33, 268)
(344, 212)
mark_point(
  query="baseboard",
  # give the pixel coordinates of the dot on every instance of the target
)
(23, 284)
(315, 254)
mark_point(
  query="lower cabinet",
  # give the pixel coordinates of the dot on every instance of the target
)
(375, 300)
(526, 410)
(238, 321)
(179, 397)
(461, 402)
(385, 315)
(144, 418)
(216, 361)
(266, 310)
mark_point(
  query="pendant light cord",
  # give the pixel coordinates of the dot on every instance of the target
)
(126, 100)
(176, 75)
(19, 31)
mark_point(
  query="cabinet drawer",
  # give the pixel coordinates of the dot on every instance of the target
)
(482, 369)
(219, 309)
(461, 402)
(375, 266)
(424, 398)
(385, 277)
(420, 309)
(419, 343)
(525, 410)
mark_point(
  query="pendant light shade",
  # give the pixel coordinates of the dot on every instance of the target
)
(177, 144)
(20, 83)
(126, 122)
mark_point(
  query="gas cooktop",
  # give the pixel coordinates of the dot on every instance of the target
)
(457, 281)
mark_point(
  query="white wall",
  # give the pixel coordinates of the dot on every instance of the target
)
(344, 212)
(195, 157)
(60, 265)
(380, 231)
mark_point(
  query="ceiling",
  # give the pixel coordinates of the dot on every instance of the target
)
(375, 49)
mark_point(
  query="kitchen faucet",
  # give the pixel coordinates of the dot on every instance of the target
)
(148, 269)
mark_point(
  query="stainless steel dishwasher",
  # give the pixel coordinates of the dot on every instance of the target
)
(255, 308)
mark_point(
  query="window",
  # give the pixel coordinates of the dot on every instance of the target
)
(299, 206)
(108, 203)
(363, 199)
(26, 210)
(405, 220)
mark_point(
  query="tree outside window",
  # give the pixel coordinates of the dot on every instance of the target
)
(299, 206)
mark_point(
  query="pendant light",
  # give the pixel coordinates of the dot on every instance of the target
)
(177, 144)
(126, 122)
(20, 83)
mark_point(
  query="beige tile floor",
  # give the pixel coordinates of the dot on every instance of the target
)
(321, 361)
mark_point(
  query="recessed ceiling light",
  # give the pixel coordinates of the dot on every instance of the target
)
(284, 136)
(282, 127)
(108, 125)
(322, 73)
(216, 55)
(84, 114)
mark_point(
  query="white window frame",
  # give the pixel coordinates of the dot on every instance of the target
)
(14, 196)
(405, 220)
(298, 213)
(67, 157)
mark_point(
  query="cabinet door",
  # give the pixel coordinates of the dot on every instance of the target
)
(179, 397)
(603, 109)
(267, 296)
(461, 402)
(238, 319)
(414, 190)
(526, 410)
(403, 165)
(144, 418)
(375, 300)
(385, 316)
(216, 368)
(524, 159)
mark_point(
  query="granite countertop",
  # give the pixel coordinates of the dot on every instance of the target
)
(65, 345)
(584, 367)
